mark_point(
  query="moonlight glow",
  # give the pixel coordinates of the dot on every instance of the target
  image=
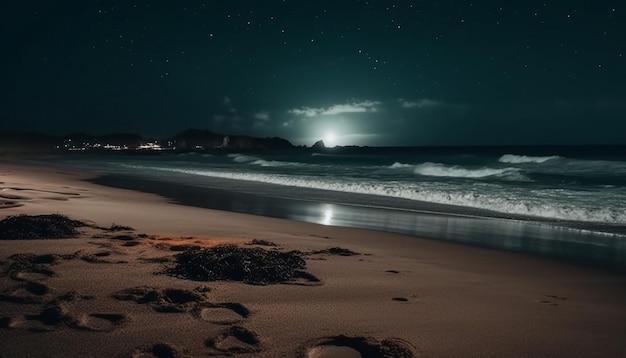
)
(330, 139)
(299, 69)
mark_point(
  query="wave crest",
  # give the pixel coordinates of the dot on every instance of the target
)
(539, 204)
(442, 170)
(242, 158)
(398, 165)
(520, 159)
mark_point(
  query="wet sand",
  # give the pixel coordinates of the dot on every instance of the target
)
(561, 240)
(103, 293)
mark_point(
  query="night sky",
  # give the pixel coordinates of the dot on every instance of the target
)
(351, 72)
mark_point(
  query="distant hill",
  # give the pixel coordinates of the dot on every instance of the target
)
(193, 138)
(205, 139)
(190, 139)
(128, 139)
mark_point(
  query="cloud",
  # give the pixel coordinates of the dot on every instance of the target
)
(305, 111)
(262, 116)
(262, 119)
(421, 103)
(352, 107)
(355, 107)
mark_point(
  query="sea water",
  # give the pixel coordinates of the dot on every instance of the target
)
(576, 188)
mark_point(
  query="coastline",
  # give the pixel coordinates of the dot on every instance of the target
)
(549, 238)
(439, 298)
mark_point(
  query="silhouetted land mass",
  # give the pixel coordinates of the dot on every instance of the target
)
(121, 139)
(205, 139)
(188, 140)
(202, 140)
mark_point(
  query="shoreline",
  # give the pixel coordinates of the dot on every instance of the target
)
(538, 237)
(437, 298)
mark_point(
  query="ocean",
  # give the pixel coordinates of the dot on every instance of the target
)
(546, 200)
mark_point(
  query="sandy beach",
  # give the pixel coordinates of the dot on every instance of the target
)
(107, 293)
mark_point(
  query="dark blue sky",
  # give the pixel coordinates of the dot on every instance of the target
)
(363, 72)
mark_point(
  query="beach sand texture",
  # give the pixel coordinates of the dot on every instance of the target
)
(111, 292)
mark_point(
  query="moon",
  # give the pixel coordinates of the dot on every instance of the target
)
(330, 139)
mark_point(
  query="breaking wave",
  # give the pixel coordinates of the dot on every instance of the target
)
(398, 165)
(242, 158)
(442, 170)
(544, 204)
(249, 159)
(520, 159)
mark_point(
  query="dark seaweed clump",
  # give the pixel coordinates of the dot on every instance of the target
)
(254, 266)
(262, 243)
(115, 227)
(337, 251)
(24, 227)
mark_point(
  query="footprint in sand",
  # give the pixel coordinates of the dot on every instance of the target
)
(123, 238)
(101, 258)
(158, 350)
(99, 322)
(52, 317)
(6, 195)
(173, 300)
(8, 204)
(26, 292)
(333, 351)
(549, 300)
(30, 267)
(303, 278)
(224, 313)
(31, 276)
(57, 314)
(234, 340)
(127, 240)
(346, 346)
(164, 300)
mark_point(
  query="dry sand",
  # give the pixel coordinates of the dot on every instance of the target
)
(98, 295)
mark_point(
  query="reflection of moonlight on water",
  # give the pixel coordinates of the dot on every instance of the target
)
(328, 216)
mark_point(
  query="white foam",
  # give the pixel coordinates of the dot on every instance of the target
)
(276, 163)
(520, 159)
(249, 159)
(442, 170)
(242, 158)
(540, 204)
(398, 165)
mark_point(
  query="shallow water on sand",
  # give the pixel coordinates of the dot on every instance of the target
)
(544, 238)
